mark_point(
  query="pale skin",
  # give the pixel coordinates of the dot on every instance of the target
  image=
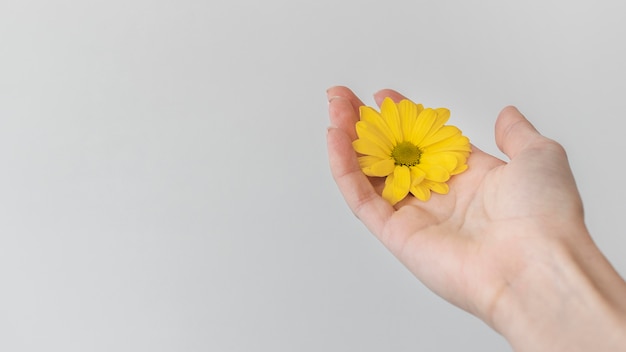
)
(507, 244)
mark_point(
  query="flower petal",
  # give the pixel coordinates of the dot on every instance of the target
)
(366, 147)
(381, 168)
(454, 144)
(368, 160)
(446, 160)
(366, 130)
(397, 184)
(437, 187)
(420, 192)
(389, 111)
(459, 169)
(408, 111)
(461, 164)
(443, 115)
(417, 175)
(422, 125)
(435, 172)
(443, 133)
(372, 116)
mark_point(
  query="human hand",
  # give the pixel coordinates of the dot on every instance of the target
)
(478, 245)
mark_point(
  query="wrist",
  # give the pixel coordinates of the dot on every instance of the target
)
(566, 297)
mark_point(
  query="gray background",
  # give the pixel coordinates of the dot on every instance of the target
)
(164, 183)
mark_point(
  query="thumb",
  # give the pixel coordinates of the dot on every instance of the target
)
(514, 132)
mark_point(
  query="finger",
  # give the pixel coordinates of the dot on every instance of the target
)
(355, 187)
(384, 93)
(345, 92)
(343, 109)
(343, 116)
(513, 131)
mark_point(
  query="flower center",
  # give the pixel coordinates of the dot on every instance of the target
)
(406, 153)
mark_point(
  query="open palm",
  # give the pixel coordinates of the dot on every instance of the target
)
(469, 245)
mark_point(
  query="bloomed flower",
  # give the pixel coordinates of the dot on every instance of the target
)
(412, 147)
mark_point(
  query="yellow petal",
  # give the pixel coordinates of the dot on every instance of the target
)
(420, 192)
(422, 125)
(368, 160)
(388, 190)
(372, 116)
(408, 111)
(459, 169)
(420, 108)
(461, 164)
(443, 115)
(446, 160)
(461, 156)
(437, 187)
(366, 130)
(397, 185)
(454, 144)
(369, 114)
(380, 169)
(435, 172)
(443, 133)
(366, 147)
(417, 175)
(389, 111)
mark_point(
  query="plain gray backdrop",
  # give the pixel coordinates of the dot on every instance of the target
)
(164, 182)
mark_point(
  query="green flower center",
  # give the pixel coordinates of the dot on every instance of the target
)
(406, 153)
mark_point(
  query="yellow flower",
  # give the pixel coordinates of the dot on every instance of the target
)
(412, 147)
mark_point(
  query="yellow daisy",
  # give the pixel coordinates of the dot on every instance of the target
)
(412, 147)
